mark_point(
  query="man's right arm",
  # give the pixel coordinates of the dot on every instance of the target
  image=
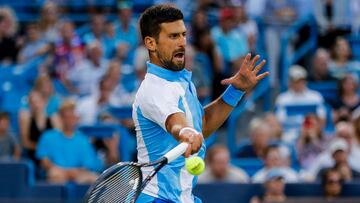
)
(178, 127)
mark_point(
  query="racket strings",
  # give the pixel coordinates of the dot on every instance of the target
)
(121, 185)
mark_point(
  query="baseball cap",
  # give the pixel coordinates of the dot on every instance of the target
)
(338, 144)
(297, 72)
(274, 173)
(226, 13)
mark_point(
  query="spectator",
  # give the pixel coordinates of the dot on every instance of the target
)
(311, 142)
(320, 67)
(34, 46)
(86, 76)
(356, 125)
(297, 94)
(44, 86)
(274, 188)
(276, 128)
(9, 147)
(343, 140)
(333, 20)
(260, 137)
(66, 154)
(108, 40)
(348, 99)
(341, 62)
(199, 24)
(49, 22)
(232, 44)
(339, 151)
(34, 122)
(8, 44)
(97, 29)
(69, 52)
(278, 16)
(219, 168)
(200, 77)
(274, 160)
(207, 55)
(246, 25)
(120, 96)
(141, 56)
(332, 184)
(92, 109)
(126, 33)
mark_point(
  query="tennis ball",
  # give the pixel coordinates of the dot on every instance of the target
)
(195, 165)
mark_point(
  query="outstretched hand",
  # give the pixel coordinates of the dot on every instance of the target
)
(247, 77)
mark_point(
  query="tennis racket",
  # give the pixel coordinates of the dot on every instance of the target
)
(123, 182)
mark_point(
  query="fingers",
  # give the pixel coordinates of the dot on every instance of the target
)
(246, 60)
(262, 76)
(259, 67)
(193, 138)
(226, 81)
(253, 62)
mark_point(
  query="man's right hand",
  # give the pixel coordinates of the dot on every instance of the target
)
(193, 138)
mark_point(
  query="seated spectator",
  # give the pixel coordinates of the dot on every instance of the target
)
(9, 147)
(260, 137)
(297, 94)
(274, 188)
(311, 142)
(34, 46)
(340, 152)
(276, 128)
(344, 132)
(69, 52)
(49, 22)
(356, 125)
(34, 122)
(108, 40)
(246, 25)
(86, 76)
(199, 77)
(66, 154)
(44, 86)
(97, 29)
(8, 44)
(274, 160)
(341, 62)
(320, 67)
(231, 43)
(140, 58)
(219, 168)
(348, 99)
(332, 184)
(126, 33)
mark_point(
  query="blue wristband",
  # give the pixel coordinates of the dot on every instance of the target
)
(232, 96)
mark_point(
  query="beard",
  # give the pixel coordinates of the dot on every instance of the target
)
(169, 63)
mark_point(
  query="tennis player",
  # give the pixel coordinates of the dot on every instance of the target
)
(166, 110)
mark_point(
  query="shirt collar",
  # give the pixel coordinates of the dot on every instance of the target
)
(168, 74)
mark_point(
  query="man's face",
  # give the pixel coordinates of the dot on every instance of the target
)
(275, 186)
(69, 119)
(220, 163)
(298, 85)
(170, 45)
(333, 184)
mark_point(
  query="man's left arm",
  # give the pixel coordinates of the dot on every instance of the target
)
(243, 81)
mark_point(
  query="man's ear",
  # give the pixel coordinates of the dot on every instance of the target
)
(150, 43)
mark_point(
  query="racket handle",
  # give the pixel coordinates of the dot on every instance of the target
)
(176, 152)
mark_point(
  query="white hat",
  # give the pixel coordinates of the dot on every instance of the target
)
(297, 72)
(338, 144)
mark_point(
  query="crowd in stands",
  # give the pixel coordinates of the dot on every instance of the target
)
(87, 68)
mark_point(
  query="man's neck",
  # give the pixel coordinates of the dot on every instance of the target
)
(68, 132)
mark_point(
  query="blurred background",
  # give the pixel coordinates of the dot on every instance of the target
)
(69, 71)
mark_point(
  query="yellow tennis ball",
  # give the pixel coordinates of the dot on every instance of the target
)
(195, 165)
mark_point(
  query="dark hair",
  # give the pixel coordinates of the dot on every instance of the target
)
(326, 173)
(4, 115)
(152, 17)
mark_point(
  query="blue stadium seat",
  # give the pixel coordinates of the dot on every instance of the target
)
(251, 166)
(121, 112)
(329, 90)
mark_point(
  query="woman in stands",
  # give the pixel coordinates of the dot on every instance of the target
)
(348, 99)
(37, 118)
(49, 22)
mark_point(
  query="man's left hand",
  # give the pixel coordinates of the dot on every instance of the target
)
(247, 77)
